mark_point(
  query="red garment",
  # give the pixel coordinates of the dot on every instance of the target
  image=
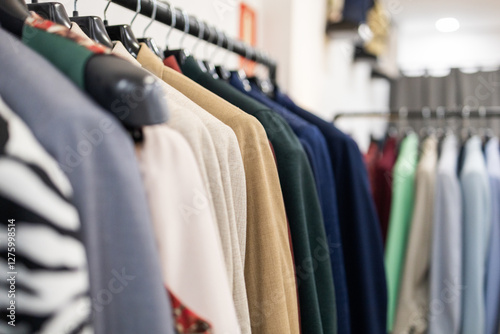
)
(382, 193)
(371, 158)
(172, 63)
(186, 321)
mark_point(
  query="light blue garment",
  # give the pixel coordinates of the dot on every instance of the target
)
(446, 260)
(493, 265)
(476, 223)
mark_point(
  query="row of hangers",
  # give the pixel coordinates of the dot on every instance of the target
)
(108, 80)
(200, 31)
(95, 28)
(440, 122)
(103, 74)
(100, 31)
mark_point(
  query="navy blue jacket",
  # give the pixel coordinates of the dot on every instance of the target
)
(361, 236)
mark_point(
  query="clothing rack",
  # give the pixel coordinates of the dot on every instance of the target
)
(429, 71)
(210, 34)
(424, 114)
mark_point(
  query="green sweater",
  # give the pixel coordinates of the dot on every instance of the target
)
(66, 55)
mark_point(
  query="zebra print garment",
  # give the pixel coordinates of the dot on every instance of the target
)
(50, 270)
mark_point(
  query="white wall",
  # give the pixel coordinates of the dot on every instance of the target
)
(308, 52)
(276, 22)
(434, 50)
(295, 36)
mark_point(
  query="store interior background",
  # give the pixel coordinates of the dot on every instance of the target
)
(317, 68)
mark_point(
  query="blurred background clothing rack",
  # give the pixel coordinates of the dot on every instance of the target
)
(210, 34)
(425, 113)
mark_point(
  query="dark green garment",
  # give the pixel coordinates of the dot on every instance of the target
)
(68, 56)
(310, 246)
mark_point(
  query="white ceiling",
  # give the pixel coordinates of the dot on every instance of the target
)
(421, 46)
(422, 14)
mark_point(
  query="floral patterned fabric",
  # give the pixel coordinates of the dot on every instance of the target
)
(38, 22)
(187, 321)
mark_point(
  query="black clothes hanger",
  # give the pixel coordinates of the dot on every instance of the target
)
(13, 13)
(211, 69)
(242, 77)
(52, 11)
(93, 27)
(179, 54)
(128, 92)
(221, 70)
(265, 85)
(223, 73)
(151, 43)
(201, 33)
(123, 33)
(209, 64)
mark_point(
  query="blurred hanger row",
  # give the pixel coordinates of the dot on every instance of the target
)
(104, 77)
(100, 31)
(464, 122)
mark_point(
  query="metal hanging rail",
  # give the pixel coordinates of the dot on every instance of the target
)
(426, 113)
(164, 15)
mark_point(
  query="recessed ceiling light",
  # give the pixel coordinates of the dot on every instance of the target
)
(447, 24)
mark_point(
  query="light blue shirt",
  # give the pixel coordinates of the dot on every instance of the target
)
(446, 260)
(476, 223)
(493, 265)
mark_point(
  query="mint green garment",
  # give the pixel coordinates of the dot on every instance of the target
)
(66, 55)
(399, 222)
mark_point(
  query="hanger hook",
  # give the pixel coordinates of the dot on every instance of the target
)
(210, 39)
(246, 50)
(75, 9)
(247, 56)
(105, 11)
(260, 55)
(173, 21)
(186, 28)
(137, 10)
(201, 32)
(153, 17)
(219, 44)
(229, 49)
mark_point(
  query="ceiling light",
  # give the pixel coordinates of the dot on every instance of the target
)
(447, 24)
